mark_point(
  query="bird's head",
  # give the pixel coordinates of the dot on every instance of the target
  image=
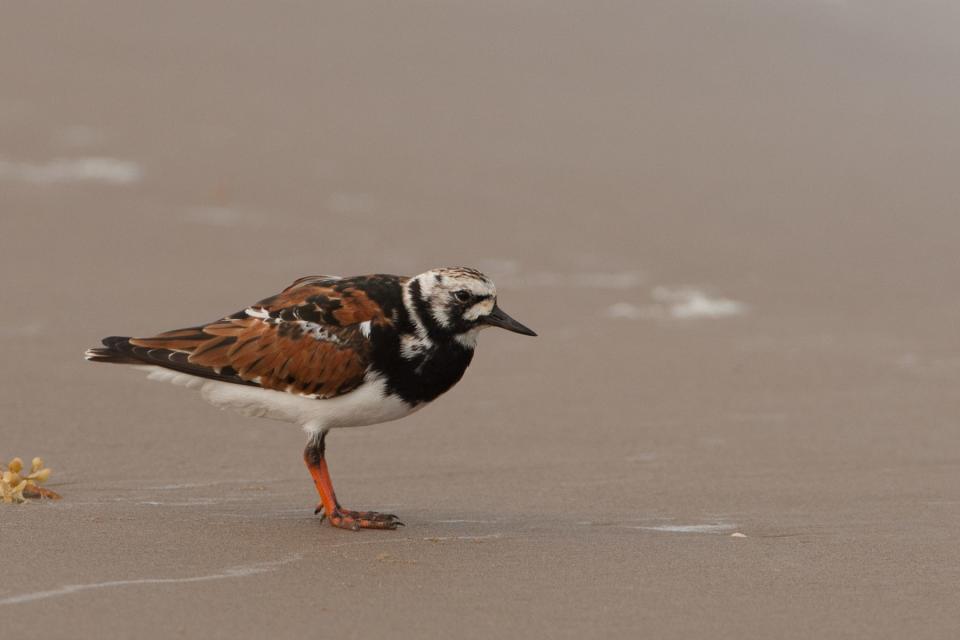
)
(458, 301)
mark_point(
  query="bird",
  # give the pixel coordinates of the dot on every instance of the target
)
(327, 353)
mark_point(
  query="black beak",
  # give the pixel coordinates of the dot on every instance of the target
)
(498, 318)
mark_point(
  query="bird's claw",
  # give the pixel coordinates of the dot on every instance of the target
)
(356, 520)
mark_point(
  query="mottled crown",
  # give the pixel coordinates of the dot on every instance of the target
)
(453, 278)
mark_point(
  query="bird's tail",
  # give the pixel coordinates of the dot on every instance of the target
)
(116, 349)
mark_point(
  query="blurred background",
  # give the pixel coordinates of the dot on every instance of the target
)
(733, 224)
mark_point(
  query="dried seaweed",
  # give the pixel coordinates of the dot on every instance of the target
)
(16, 488)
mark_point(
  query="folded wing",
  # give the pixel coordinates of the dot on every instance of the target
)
(312, 339)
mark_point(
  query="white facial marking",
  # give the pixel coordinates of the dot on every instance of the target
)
(468, 338)
(438, 309)
(482, 308)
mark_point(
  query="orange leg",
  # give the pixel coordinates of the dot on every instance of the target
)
(339, 517)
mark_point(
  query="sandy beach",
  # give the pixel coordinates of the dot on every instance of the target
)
(733, 225)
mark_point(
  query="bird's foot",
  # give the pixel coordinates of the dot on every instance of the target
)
(356, 520)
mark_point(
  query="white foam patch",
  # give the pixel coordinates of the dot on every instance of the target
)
(242, 571)
(680, 303)
(689, 528)
(70, 170)
(692, 303)
(190, 485)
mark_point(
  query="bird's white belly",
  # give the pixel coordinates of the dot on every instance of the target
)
(365, 405)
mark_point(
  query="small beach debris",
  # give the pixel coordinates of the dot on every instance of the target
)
(738, 535)
(17, 488)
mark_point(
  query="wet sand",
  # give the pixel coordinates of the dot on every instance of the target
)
(734, 228)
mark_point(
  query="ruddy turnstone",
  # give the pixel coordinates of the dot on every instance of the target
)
(330, 352)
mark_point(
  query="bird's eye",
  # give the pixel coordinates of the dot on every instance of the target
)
(461, 295)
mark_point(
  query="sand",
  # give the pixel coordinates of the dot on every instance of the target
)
(732, 224)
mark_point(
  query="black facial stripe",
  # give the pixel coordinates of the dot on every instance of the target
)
(434, 330)
(403, 320)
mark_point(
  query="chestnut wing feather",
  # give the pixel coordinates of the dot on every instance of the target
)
(308, 340)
